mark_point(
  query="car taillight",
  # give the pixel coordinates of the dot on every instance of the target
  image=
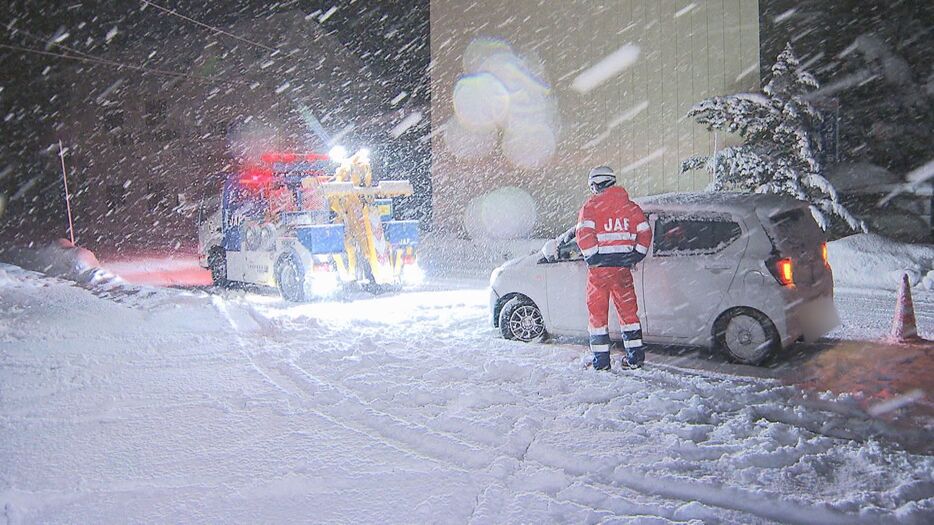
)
(408, 259)
(824, 255)
(321, 267)
(785, 272)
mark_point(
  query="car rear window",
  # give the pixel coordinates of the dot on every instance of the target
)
(794, 231)
(693, 236)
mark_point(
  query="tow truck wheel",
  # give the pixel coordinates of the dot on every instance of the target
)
(217, 262)
(290, 278)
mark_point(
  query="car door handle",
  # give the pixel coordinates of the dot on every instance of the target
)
(718, 267)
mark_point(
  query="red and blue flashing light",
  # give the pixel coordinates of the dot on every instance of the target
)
(255, 176)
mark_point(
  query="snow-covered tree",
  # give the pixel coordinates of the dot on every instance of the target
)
(781, 142)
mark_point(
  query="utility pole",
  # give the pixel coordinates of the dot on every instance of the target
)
(71, 224)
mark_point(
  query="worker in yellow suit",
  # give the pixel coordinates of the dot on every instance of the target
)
(363, 234)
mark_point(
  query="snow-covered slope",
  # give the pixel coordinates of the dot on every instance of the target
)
(198, 408)
(871, 261)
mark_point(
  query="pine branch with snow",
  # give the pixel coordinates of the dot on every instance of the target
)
(781, 142)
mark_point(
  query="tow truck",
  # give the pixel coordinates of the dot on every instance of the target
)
(310, 225)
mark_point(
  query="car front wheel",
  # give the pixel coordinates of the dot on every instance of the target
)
(520, 319)
(746, 335)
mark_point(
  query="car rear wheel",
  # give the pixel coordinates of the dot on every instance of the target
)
(290, 279)
(521, 320)
(746, 335)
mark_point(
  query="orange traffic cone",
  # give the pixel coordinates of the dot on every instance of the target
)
(904, 327)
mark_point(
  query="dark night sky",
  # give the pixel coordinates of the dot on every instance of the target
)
(389, 38)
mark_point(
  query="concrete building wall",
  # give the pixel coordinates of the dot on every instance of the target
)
(633, 121)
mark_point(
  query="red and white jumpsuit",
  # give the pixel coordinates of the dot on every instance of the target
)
(613, 235)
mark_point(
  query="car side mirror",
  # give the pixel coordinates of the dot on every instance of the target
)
(550, 250)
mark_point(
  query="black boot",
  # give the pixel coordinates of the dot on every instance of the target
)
(601, 360)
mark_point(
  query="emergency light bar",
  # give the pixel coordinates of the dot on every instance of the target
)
(291, 157)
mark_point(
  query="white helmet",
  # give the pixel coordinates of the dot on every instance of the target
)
(601, 178)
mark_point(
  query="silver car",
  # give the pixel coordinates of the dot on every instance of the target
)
(744, 273)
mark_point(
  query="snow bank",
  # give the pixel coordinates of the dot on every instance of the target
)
(861, 177)
(871, 261)
(7, 279)
(63, 259)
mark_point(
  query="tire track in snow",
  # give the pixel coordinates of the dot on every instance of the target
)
(409, 348)
(418, 440)
(509, 444)
(402, 428)
(714, 496)
(302, 380)
(482, 494)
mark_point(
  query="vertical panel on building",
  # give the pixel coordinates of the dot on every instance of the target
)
(732, 58)
(624, 130)
(653, 116)
(684, 30)
(669, 80)
(636, 75)
(644, 132)
(701, 91)
(749, 44)
(716, 55)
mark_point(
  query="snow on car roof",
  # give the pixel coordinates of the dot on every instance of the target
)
(724, 201)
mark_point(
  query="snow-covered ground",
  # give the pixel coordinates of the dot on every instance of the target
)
(125, 403)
